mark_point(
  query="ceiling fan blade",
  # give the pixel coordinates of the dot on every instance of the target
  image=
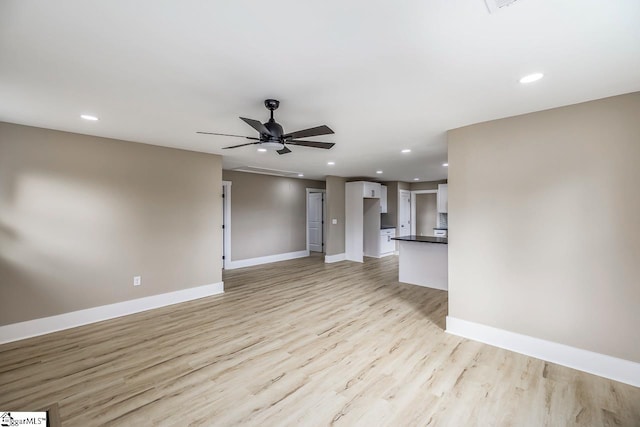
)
(285, 150)
(226, 134)
(313, 144)
(256, 125)
(241, 145)
(316, 131)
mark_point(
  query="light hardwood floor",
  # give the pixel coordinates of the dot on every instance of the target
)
(300, 343)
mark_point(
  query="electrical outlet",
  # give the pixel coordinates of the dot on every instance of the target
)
(334, 221)
(137, 280)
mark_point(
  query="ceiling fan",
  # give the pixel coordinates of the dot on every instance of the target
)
(272, 135)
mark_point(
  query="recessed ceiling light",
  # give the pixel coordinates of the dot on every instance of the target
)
(416, 179)
(445, 164)
(531, 78)
(406, 150)
(300, 175)
(88, 117)
(262, 150)
(331, 163)
(378, 172)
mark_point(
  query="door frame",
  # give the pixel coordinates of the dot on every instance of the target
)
(398, 228)
(324, 215)
(226, 224)
(413, 207)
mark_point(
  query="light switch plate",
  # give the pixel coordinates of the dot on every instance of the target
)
(334, 221)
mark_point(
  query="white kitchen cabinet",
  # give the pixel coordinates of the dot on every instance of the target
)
(354, 221)
(371, 190)
(443, 198)
(368, 190)
(362, 220)
(387, 246)
(371, 227)
(383, 199)
(438, 232)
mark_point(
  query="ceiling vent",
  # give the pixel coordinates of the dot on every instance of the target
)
(265, 171)
(495, 5)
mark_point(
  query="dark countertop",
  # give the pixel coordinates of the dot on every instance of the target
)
(386, 227)
(422, 239)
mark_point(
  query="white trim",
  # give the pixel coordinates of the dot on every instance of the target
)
(324, 231)
(335, 258)
(399, 230)
(226, 233)
(46, 325)
(413, 206)
(599, 364)
(266, 259)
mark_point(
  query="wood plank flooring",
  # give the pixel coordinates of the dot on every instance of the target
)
(300, 343)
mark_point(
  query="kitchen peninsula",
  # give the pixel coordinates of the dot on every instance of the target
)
(423, 261)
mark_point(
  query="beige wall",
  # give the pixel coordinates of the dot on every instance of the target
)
(268, 214)
(427, 185)
(81, 215)
(335, 209)
(544, 212)
(426, 213)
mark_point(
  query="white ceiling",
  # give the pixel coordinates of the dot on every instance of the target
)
(383, 75)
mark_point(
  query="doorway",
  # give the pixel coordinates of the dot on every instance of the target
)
(315, 220)
(424, 212)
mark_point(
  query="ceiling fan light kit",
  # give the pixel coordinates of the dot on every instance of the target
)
(272, 136)
(272, 145)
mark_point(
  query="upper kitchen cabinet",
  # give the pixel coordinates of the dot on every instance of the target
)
(443, 198)
(371, 190)
(366, 189)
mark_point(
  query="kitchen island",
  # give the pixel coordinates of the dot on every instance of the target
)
(423, 261)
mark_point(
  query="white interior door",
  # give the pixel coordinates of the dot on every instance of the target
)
(226, 224)
(314, 221)
(404, 213)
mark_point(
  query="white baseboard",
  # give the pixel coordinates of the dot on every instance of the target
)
(335, 258)
(266, 259)
(599, 364)
(379, 255)
(46, 325)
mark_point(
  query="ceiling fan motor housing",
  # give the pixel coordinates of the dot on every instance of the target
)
(273, 140)
(275, 129)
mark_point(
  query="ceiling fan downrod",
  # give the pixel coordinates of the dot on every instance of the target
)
(271, 104)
